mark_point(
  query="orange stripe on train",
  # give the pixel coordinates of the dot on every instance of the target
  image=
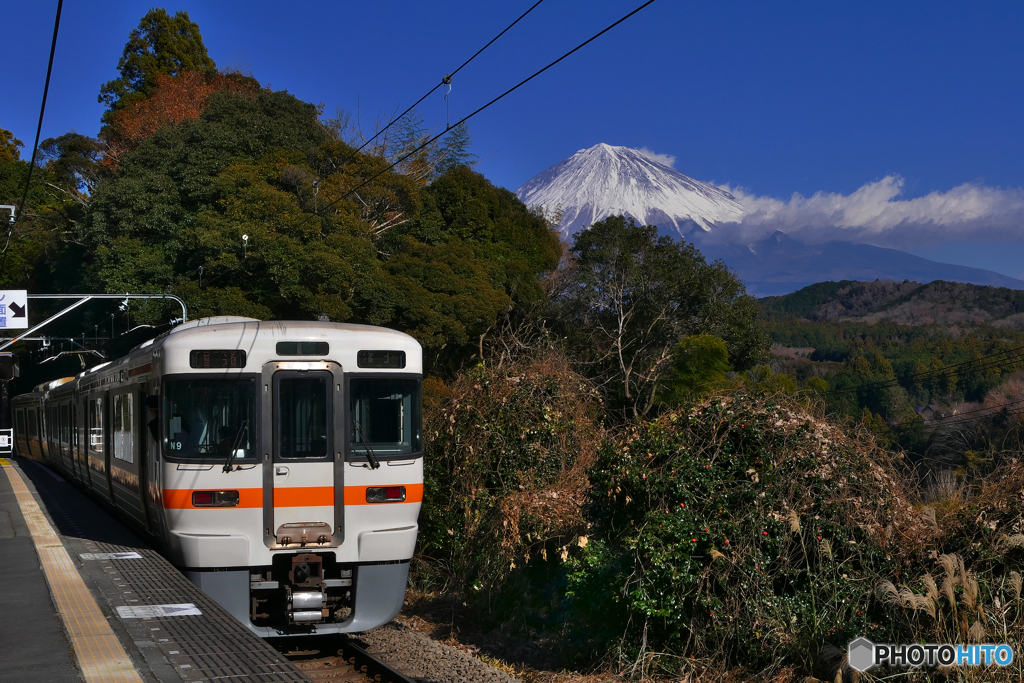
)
(287, 497)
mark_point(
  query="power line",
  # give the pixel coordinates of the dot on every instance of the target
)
(956, 417)
(39, 128)
(447, 79)
(937, 371)
(461, 121)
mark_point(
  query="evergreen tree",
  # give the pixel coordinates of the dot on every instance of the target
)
(9, 146)
(161, 45)
(455, 149)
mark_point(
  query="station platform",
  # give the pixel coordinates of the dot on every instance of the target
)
(84, 599)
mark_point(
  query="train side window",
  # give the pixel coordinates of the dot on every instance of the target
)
(124, 427)
(96, 425)
(19, 421)
(33, 425)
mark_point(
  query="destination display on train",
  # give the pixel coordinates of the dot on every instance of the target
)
(216, 359)
(391, 360)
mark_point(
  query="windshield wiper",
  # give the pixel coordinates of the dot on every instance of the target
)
(242, 431)
(370, 457)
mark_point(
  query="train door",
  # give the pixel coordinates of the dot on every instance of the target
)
(123, 449)
(149, 457)
(96, 443)
(81, 473)
(20, 436)
(79, 411)
(67, 456)
(44, 433)
(34, 450)
(303, 488)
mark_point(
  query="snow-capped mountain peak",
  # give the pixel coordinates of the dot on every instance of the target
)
(605, 180)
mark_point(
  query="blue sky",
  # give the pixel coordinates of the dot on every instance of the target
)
(770, 98)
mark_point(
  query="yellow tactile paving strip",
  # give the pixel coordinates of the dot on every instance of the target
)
(99, 653)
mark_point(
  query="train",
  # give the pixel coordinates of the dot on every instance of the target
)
(279, 465)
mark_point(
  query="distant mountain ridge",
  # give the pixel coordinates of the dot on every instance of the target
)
(780, 264)
(907, 303)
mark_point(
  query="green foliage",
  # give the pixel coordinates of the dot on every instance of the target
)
(699, 363)
(31, 252)
(816, 385)
(517, 245)
(160, 45)
(737, 531)
(634, 295)
(799, 304)
(75, 162)
(441, 263)
(763, 381)
(9, 146)
(187, 195)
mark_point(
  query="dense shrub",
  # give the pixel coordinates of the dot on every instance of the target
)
(508, 447)
(740, 531)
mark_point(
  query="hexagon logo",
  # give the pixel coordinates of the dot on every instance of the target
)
(861, 654)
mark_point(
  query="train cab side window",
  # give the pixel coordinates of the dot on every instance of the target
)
(385, 414)
(33, 430)
(206, 417)
(19, 420)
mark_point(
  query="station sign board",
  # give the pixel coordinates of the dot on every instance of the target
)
(13, 309)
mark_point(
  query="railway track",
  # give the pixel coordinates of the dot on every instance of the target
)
(350, 663)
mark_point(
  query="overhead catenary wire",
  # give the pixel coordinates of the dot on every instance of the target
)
(447, 79)
(461, 121)
(39, 128)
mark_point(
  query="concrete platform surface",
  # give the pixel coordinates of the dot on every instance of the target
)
(59, 613)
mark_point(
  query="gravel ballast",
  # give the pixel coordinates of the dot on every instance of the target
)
(428, 661)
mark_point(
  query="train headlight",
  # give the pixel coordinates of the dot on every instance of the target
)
(385, 494)
(214, 499)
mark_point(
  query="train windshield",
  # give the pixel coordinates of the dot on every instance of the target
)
(209, 418)
(385, 415)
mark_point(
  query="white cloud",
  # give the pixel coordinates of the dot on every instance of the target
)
(874, 213)
(663, 159)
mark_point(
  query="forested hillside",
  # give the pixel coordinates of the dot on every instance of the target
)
(935, 368)
(906, 303)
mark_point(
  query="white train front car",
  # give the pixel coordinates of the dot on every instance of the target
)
(281, 463)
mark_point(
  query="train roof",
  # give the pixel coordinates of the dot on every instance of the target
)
(260, 336)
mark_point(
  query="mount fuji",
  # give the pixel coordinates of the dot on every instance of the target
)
(604, 181)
